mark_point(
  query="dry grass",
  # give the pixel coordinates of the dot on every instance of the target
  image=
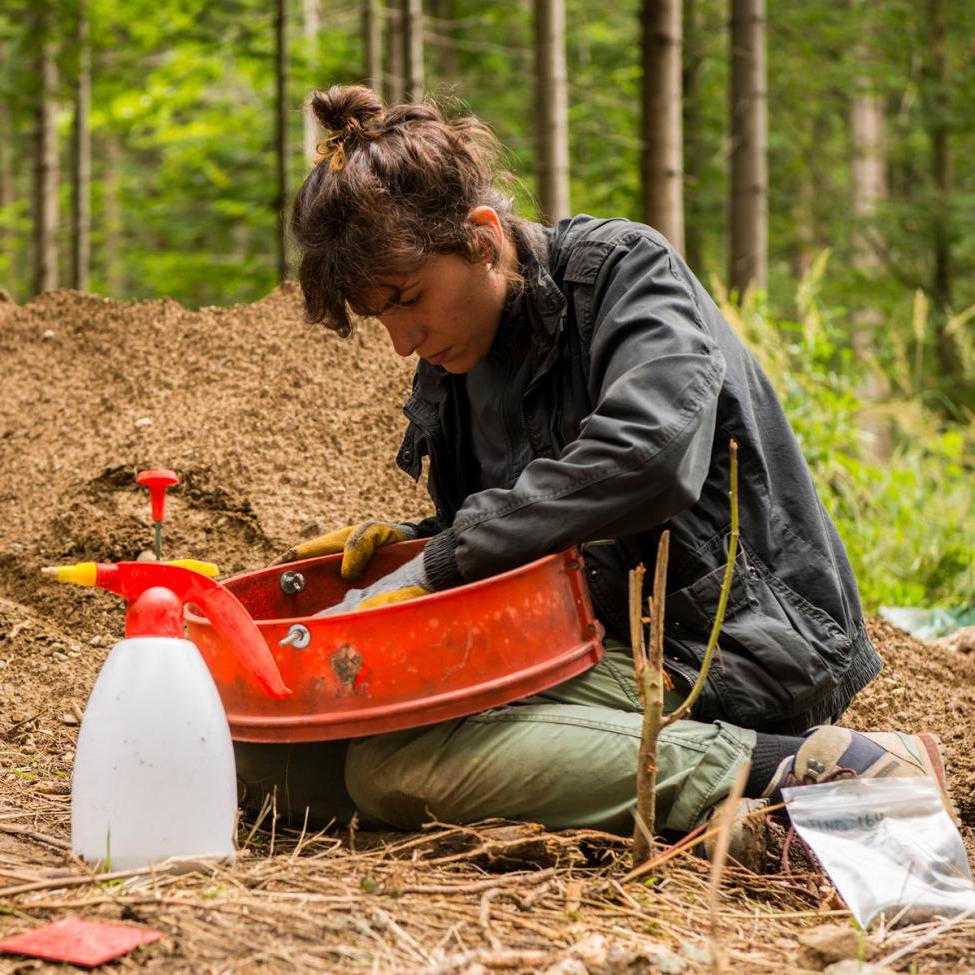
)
(496, 897)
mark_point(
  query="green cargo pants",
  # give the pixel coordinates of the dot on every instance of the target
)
(565, 758)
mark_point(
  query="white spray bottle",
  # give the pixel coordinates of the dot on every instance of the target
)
(154, 772)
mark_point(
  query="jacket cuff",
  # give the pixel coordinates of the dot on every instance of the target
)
(440, 561)
(426, 528)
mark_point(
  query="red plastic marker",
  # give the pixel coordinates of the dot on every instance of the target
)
(80, 942)
(157, 481)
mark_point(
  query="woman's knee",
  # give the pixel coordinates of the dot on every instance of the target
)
(388, 780)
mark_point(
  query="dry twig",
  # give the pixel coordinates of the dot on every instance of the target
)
(725, 820)
(649, 668)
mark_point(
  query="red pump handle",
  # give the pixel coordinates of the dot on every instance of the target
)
(149, 614)
(157, 481)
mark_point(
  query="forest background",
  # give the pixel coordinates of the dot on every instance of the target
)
(173, 133)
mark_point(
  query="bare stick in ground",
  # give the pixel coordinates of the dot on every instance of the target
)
(651, 682)
(650, 671)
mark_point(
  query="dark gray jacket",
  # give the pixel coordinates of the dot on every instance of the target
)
(636, 386)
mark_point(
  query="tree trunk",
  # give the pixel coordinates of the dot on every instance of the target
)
(748, 264)
(45, 274)
(413, 49)
(804, 217)
(938, 127)
(372, 44)
(663, 187)
(447, 61)
(553, 109)
(81, 159)
(311, 25)
(281, 133)
(6, 177)
(693, 147)
(868, 165)
(868, 188)
(395, 86)
(115, 282)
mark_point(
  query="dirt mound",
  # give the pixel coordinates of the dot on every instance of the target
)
(924, 688)
(277, 428)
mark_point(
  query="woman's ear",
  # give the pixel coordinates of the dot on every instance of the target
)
(488, 224)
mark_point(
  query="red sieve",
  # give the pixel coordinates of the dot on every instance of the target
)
(408, 664)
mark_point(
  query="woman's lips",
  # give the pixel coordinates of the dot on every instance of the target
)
(440, 357)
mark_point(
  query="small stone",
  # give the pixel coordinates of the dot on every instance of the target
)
(849, 966)
(16, 548)
(695, 953)
(47, 334)
(669, 964)
(828, 943)
(592, 949)
(57, 655)
(568, 966)
(146, 555)
(54, 789)
(143, 421)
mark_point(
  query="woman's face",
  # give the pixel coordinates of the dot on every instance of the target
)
(448, 311)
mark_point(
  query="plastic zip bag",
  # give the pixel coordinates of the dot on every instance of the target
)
(888, 845)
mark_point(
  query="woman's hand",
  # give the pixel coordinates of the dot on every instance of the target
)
(409, 581)
(356, 542)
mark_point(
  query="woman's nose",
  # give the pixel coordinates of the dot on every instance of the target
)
(406, 339)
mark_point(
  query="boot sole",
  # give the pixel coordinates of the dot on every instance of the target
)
(936, 769)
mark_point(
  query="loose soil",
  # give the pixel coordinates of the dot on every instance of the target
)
(279, 431)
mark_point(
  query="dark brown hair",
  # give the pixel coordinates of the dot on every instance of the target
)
(391, 188)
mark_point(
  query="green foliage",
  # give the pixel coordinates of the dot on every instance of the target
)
(906, 518)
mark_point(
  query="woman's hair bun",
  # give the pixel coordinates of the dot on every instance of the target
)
(346, 107)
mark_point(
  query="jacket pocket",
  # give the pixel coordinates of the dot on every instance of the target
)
(777, 653)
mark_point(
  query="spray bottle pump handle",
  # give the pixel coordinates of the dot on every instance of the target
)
(157, 481)
(157, 592)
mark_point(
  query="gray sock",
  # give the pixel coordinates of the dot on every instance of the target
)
(770, 750)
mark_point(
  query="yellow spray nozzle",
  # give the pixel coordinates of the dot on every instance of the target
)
(207, 569)
(81, 573)
(86, 573)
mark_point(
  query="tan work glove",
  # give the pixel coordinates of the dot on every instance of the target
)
(394, 596)
(356, 543)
